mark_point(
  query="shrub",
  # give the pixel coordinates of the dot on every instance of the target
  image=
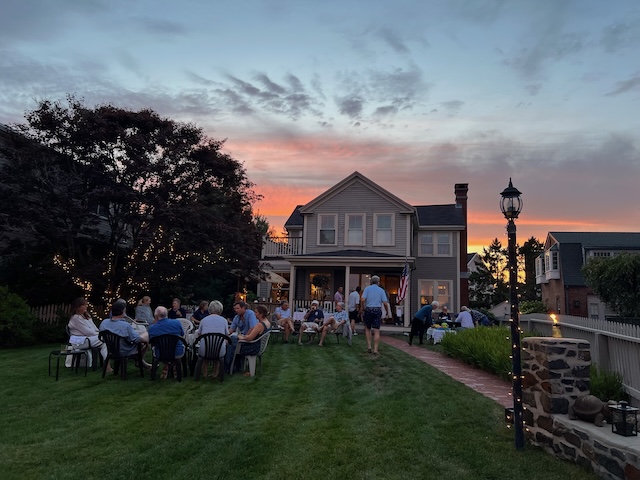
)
(16, 321)
(606, 385)
(532, 306)
(486, 348)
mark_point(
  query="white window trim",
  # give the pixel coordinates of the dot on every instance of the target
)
(435, 283)
(335, 228)
(346, 228)
(375, 229)
(434, 240)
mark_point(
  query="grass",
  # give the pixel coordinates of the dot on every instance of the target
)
(314, 413)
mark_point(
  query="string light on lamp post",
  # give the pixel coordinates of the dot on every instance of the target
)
(511, 206)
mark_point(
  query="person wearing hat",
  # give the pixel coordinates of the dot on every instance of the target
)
(374, 299)
(313, 319)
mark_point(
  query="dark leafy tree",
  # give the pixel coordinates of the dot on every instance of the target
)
(616, 281)
(529, 251)
(133, 202)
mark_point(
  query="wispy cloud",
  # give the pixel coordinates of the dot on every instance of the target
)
(624, 86)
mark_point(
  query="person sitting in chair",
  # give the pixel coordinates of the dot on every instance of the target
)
(166, 326)
(312, 320)
(340, 317)
(262, 326)
(283, 315)
(213, 323)
(444, 316)
(81, 327)
(132, 340)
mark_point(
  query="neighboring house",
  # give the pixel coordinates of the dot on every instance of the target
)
(473, 261)
(357, 229)
(558, 269)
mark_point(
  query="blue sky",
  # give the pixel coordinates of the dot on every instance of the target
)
(416, 95)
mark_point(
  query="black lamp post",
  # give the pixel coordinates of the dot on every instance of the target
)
(511, 205)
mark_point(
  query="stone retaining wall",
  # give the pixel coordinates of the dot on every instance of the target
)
(555, 372)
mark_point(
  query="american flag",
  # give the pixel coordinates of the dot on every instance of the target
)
(404, 282)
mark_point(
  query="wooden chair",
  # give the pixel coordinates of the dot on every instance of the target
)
(164, 350)
(113, 342)
(210, 345)
(251, 359)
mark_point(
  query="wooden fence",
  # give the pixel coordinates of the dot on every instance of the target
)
(51, 313)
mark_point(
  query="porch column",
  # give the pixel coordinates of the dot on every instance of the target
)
(292, 285)
(347, 287)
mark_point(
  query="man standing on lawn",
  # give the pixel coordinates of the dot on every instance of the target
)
(354, 308)
(374, 299)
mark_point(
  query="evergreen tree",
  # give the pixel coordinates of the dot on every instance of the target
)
(529, 251)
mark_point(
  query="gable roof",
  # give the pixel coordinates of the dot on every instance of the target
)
(607, 240)
(295, 219)
(356, 177)
(573, 245)
(440, 215)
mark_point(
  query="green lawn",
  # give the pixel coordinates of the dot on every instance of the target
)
(329, 413)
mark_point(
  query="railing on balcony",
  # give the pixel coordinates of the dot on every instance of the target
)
(281, 246)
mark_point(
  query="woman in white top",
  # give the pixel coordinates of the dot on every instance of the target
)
(81, 327)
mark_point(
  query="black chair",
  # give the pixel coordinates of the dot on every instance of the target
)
(95, 351)
(212, 344)
(76, 356)
(113, 342)
(164, 350)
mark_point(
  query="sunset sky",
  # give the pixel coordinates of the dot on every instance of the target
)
(416, 95)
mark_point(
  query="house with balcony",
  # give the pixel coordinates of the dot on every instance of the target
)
(559, 269)
(357, 229)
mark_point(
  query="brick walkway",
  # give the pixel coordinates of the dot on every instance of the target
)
(482, 382)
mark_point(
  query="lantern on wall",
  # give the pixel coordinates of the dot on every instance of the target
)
(624, 419)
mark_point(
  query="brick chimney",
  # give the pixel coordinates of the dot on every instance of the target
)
(461, 190)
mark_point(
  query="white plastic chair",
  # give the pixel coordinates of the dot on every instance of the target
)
(251, 359)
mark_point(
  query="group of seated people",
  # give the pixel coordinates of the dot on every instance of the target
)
(246, 326)
(314, 322)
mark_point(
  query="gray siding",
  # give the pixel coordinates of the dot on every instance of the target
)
(354, 200)
(437, 268)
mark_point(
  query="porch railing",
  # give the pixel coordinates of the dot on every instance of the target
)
(281, 246)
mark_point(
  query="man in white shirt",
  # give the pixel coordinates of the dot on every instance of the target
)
(354, 308)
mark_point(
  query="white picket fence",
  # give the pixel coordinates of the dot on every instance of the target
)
(615, 346)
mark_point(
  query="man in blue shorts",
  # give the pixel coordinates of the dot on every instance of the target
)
(374, 299)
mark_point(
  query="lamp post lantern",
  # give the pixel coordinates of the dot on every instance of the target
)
(511, 206)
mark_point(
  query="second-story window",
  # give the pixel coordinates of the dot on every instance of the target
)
(354, 224)
(327, 229)
(444, 244)
(435, 244)
(383, 229)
